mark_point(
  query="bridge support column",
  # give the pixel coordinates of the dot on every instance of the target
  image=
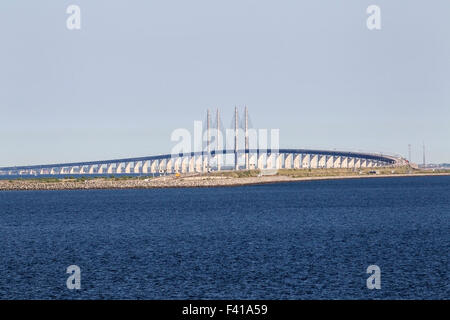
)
(297, 161)
(198, 164)
(109, 168)
(314, 161)
(128, 167)
(82, 171)
(177, 165)
(191, 164)
(101, 169)
(247, 159)
(205, 165)
(358, 163)
(91, 169)
(322, 162)
(279, 161)
(137, 167)
(260, 163)
(184, 165)
(330, 162)
(269, 164)
(118, 167)
(288, 161)
(219, 163)
(364, 163)
(337, 162)
(145, 166)
(153, 166)
(252, 161)
(351, 163)
(162, 166)
(344, 162)
(306, 160)
(169, 165)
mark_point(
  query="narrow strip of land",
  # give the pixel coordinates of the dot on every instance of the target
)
(217, 179)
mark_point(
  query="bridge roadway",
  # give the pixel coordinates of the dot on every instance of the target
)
(201, 162)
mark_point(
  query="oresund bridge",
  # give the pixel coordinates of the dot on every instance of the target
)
(214, 159)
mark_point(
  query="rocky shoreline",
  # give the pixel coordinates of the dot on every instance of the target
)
(171, 182)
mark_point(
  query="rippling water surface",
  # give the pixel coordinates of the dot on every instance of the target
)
(307, 240)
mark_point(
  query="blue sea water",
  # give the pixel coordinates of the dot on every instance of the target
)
(306, 240)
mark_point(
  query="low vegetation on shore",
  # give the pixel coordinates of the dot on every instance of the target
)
(333, 172)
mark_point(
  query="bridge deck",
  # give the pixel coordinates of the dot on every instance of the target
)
(368, 156)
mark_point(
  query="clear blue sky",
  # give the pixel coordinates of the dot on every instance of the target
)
(137, 70)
